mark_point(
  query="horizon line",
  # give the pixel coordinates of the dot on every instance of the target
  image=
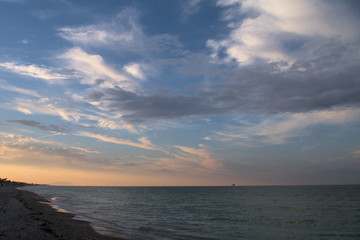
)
(230, 185)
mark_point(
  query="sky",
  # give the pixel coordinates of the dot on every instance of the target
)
(180, 93)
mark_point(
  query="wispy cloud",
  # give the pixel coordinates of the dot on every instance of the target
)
(123, 34)
(135, 70)
(72, 112)
(107, 121)
(87, 150)
(4, 85)
(23, 110)
(190, 7)
(279, 129)
(93, 35)
(34, 71)
(13, 1)
(38, 125)
(187, 160)
(91, 69)
(45, 14)
(13, 139)
(143, 142)
(18, 139)
(123, 28)
(356, 153)
(34, 154)
(46, 106)
(24, 150)
(201, 156)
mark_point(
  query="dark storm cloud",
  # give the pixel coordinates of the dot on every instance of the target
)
(50, 128)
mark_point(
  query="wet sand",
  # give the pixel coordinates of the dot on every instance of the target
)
(25, 215)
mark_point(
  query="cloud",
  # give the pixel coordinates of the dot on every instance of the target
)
(326, 79)
(11, 139)
(190, 7)
(24, 110)
(356, 153)
(92, 35)
(46, 106)
(111, 124)
(124, 35)
(319, 68)
(123, 28)
(45, 14)
(13, 1)
(6, 86)
(18, 139)
(87, 150)
(39, 155)
(108, 121)
(135, 70)
(187, 160)
(275, 30)
(91, 69)
(278, 129)
(34, 71)
(229, 136)
(97, 117)
(136, 108)
(201, 156)
(38, 125)
(27, 151)
(72, 112)
(143, 143)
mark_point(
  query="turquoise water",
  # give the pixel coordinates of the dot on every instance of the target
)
(221, 213)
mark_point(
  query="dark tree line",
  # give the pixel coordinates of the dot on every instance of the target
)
(6, 182)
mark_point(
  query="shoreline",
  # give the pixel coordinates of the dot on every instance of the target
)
(25, 215)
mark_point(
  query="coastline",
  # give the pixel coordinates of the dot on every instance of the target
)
(25, 215)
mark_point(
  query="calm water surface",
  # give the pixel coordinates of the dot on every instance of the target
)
(219, 213)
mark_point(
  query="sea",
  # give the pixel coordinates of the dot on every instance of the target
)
(213, 213)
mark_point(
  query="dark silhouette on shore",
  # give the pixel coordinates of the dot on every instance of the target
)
(6, 182)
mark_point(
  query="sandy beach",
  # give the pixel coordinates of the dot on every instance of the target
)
(25, 215)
